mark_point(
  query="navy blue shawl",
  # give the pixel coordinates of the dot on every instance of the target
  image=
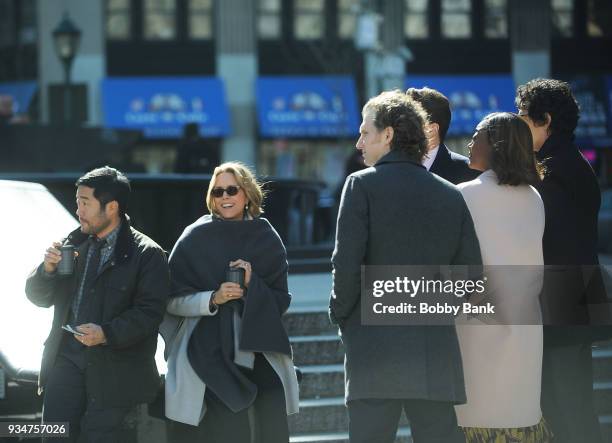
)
(198, 262)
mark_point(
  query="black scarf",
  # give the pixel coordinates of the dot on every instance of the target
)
(199, 262)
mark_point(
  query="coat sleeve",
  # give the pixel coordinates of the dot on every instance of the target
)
(40, 287)
(192, 305)
(149, 303)
(349, 251)
(468, 250)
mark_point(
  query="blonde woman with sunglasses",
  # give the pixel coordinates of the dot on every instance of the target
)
(230, 372)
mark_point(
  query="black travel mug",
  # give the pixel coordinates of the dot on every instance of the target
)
(235, 275)
(66, 265)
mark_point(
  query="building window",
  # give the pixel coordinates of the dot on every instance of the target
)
(563, 17)
(269, 19)
(347, 18)
(456, 18)
(7, 23)
(28, 33)
(416, 18)
(309, 19)
(599, 18)
(200, 19)
(159, 19)
(496, 19)
(118, 19)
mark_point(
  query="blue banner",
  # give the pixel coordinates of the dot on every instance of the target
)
(323, 106)
(161, 106)
(21, 92)
(471, 97)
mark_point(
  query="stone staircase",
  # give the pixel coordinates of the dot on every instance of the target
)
(318, 352)
(323, 417)
(602, 387)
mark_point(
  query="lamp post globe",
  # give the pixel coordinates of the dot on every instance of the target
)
(67, 38)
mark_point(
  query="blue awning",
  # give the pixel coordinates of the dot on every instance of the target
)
(161, 106)
(324, 106)
(22, 93)
(471, 97)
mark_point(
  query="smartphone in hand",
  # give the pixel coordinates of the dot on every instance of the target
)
(72, 330)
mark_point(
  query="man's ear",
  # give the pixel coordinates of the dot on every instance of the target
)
(388, 134)
(548, 120)
(112, 208)
(545, 123)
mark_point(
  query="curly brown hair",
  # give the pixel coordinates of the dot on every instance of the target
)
(406, 116)
(544, 95)
(512, 156)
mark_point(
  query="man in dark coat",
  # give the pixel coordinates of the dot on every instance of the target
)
(439, 159)
(571, 199)
(116, 298)
(195, 155)
(396, 213)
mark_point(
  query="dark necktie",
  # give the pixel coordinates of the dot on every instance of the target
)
(91, 272)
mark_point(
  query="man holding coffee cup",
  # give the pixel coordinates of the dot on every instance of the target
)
(113, 294)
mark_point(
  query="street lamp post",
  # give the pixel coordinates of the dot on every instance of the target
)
(66, 37)
(384, 67)
(367, 39)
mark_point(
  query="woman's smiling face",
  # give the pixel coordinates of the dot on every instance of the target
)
(229, 207)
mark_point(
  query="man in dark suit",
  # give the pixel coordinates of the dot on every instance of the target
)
(571, 197)
(439, 159)
(115, 298)
(396, 213)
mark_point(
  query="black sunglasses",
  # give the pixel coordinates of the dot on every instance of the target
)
(231, 191)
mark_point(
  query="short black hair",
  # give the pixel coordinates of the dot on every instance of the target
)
(108, 184)
(406, 116)
(512, 156)
(543, 95)
(436, 105)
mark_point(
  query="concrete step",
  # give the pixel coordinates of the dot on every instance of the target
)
(322, 381)
(324, 415)
(605, 424)
(309, 323)
(317, 350)
(602, 379)
(403, 436)
(602, 397)
(602, 363)
(319, 416)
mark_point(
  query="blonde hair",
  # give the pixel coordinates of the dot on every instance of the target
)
(247, 182)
